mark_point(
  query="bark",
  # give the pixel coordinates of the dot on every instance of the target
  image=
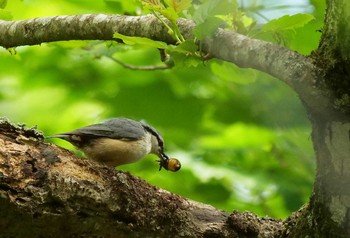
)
(85, 27)
(331, 190)
(47, 192)
(328, 214)
(333, 54)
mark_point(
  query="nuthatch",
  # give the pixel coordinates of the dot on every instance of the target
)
(120, 141)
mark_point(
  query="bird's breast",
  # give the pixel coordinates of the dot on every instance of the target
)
(114, 152)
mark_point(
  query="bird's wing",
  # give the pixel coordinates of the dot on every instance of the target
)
(116, 128)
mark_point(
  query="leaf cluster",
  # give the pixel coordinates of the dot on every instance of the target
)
(170, 9)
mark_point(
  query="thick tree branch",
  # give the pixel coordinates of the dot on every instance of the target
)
(294, 69)
(79, 27)
(280, 62)
(53, 192)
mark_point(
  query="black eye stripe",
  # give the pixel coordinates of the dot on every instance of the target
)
(155, 133)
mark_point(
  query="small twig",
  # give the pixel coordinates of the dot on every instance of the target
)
(164, 57)
(146, 67)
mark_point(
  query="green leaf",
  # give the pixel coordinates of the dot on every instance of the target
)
(230, 72)
(170, 14)
(5, 15)
(207, 28)
(3, 3)
(288, 22)
(178, 5)
(186, 47)
(130, 40)
(206, 16)
(153, 6)
(182, 60)
(213, 8)
(152, 2)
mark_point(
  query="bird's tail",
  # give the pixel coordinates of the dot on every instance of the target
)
(61, 136)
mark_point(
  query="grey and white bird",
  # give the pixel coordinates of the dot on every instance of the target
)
(120, 141)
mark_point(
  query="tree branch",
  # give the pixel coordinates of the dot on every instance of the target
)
(52, 192)
(294, 69)
(229, 46)
(81, 27)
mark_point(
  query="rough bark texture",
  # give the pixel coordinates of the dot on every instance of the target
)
(85, 27)
(45, 191)
(328, 214)
(333, 54)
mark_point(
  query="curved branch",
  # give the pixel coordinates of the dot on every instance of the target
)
(294, 69)
(273, 59)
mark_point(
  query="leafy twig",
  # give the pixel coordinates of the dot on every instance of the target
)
(170, 30)
(145, 67)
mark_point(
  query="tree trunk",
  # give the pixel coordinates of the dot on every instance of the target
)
(328, 214)
(331, 197)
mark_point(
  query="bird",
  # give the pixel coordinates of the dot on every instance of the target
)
(119, 141)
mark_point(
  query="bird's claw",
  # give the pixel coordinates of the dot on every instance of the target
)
(163, 161)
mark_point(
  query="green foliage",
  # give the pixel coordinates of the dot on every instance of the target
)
(287, 22)
(182, 55)
(206, 16)
(170, 9)
(141, 41)
(282, 27)
(5, 15)
(213, 8)
(178, 5)
(3, 3)
(231, 72)
(243, 137)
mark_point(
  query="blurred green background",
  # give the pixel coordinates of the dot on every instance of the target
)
(242, 136)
